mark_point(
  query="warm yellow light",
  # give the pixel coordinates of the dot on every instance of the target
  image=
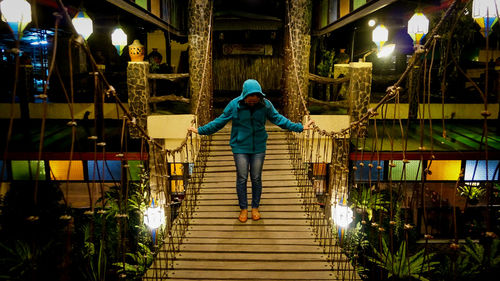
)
(380, 35)
(371, 23)
(83, 24)
(418, 26)
(59, 170)
(17, 13)
(444, 170)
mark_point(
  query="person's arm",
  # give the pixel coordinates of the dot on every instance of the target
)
(217, 124)
(280, 120)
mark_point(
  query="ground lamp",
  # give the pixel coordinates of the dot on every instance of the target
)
(83, 24)
(154, 217)
(17, 13)
(418, 26)
(485, 13)
(119, 39)
(342, 215)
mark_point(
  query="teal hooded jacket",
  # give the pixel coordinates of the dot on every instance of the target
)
(248, 132)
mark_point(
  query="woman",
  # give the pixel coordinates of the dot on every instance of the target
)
(248, 114)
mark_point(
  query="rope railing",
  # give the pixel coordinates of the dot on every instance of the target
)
(192, 149)
(337, 143)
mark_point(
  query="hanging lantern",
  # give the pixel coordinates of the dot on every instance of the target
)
(83, 24)
(380, 35)
(17, 13)
(418, 26)
(485, 13)
(154, 216)
(119, 39)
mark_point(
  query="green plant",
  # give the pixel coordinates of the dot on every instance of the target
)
(368, 201)
(401, 266)
(95, 264)
(472, 192)
(141, 259)
(355, 245)
(485, 257)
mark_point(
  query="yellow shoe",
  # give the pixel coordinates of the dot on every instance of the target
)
(255, 214)
(243, 215)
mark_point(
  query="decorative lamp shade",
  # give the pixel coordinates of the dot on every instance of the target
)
(485, 13)
(119, 39)
(342, 215)
(418, 26)
(154, 216)
(380, 35)
(83, 24)
(17, 13)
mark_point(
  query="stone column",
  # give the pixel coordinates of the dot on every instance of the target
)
(360, 85)
(200, 80)
(298, 45)
(138, 94)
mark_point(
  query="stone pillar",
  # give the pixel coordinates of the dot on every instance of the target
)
(138, 94)
(298, 45)
(200, 80)
(360, 85)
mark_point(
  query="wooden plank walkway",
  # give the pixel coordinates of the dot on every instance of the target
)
(280, 246)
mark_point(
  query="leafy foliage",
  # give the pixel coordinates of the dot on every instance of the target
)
(368, 201)
(401, 266)
(472, 192)
(140, 262)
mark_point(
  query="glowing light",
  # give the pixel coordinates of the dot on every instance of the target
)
(342, 215)
(119, 39)
(386, 50)
(380, 35)
(371, 23)
(154, 216)
(485, 13)
(83, 24)
(17, 13)
(418, 26)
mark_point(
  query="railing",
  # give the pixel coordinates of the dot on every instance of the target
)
(175, 229)
(310, 153)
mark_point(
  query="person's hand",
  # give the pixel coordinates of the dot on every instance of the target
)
(308, 125)
(193, 130)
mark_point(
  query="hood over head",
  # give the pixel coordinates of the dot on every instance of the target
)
(251, 86)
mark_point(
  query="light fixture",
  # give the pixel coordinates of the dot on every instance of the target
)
(17, 13)
(386, 50)
(154, 216)
(380, 35)
(119, 39)
(485, 13)
(371, 23)
(342, 215)
(83, 24)
(418, 26)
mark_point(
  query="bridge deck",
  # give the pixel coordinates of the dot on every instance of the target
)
(280, 246)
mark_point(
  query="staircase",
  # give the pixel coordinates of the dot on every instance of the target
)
(280, 246)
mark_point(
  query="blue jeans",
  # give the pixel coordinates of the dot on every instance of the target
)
(243, 162)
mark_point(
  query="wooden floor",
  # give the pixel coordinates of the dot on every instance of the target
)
(280, 246)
